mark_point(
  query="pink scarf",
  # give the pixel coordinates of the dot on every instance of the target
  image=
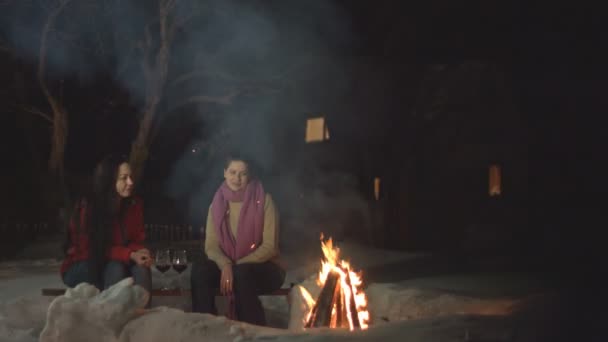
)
(251, 219)
(250, 225)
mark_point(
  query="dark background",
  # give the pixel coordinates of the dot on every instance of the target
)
(424, 95)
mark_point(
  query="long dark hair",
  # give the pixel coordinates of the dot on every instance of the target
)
(103, 206)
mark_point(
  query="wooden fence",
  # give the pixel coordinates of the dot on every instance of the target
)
(170, 232)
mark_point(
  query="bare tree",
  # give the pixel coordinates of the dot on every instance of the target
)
(155, 67)
(53, 189)
(59, 117)
(161, 82)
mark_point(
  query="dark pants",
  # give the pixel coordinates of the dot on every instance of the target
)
(114, 272)
(250, 281)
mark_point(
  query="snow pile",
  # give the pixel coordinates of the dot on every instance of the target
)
(117, 314)
(447, 308)
(390, 302)
(166, 324)
(393, 302)
(24, 315)
(84, 314)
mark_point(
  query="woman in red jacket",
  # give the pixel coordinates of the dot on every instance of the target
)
(106, 232)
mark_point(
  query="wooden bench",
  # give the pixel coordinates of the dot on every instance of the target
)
(53, 292)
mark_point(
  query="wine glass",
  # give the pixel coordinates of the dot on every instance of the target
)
(162, 264)
(180, 262)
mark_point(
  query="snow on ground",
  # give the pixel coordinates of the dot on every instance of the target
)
(435, 307)
(22, 309)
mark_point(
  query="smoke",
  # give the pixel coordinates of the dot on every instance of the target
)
(285, 64)
(246, 74)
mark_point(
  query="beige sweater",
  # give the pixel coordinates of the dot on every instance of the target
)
(268, 250)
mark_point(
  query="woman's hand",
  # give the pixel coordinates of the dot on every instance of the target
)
(226, 280)
(142, 257)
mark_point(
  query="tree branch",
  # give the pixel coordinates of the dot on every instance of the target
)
(36, 111)
(145, 46)
(180, 22)
(43, 48)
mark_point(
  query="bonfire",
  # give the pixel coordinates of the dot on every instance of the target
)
(341, 302)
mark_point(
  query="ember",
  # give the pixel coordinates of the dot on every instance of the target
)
(341, 304)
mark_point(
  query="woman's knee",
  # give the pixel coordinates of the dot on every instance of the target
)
(278, 276)
(204, 267)
(142, 276)
(265, 277)
(203, 272)
(114, 272)
(76, 274)
(142, 271)
(243, 273)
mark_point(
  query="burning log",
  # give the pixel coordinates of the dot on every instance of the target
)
(341, 303)
(340, 316)
(354, 315)
(332, 309)
(321, 312)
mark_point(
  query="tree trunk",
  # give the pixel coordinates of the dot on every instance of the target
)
(60, 117)
(155, 74)
(59, 139)
(59, 123)
(139, 147)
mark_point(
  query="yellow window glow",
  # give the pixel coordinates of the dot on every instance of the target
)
(377, 188)
(316, 130)
(494, 181)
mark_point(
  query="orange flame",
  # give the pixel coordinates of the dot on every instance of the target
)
(332, 263)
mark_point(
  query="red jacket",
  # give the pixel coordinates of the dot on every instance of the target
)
(133, 222)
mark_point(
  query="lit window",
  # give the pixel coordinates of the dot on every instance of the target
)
(377, 188)
(494, 181)
(316, 130)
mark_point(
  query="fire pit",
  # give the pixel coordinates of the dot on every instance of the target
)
(341, 302)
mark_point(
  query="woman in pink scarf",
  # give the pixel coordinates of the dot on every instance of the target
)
(241, 243)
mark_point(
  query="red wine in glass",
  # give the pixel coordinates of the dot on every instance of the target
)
(180, 262)
(163, 263)
(180, 267)
(162, 268)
